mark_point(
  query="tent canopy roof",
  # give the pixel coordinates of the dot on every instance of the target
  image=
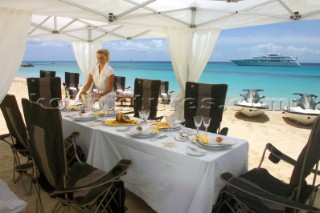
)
(91, 20)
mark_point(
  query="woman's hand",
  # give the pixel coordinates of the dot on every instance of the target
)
(98, 96)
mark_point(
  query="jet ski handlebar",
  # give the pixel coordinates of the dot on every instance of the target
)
(301, 94)
(258, 90)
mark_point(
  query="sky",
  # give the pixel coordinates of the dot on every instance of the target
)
(300, 39)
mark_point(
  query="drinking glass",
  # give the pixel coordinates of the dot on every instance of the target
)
(105, 109)
(90, 101)
(170, 119)
(101, 104)
(206, 122)
(197, 122)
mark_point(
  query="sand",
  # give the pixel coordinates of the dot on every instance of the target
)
(287, 136)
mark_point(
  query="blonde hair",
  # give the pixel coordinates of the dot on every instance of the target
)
(106, 53)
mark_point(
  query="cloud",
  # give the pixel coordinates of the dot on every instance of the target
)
(154, 45)
(48, 43)
(285, 50)
(304, 54)
(285, 39)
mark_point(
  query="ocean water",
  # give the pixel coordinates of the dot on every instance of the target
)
(278, 83)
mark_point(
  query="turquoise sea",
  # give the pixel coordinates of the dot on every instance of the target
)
(278, 82)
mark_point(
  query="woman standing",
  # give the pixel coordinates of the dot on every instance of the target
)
(102, 76)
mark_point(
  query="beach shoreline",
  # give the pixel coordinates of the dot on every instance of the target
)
(287, 136)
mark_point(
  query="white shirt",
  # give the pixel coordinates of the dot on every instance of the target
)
(100, 79)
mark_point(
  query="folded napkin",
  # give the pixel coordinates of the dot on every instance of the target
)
(72, 108)
(161, 125)
(203, 139)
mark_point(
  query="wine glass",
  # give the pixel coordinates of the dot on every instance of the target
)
(197, 122)
(206, 122)
(61, 104)
(144, 115)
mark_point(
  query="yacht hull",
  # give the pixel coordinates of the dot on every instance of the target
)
(249, 62)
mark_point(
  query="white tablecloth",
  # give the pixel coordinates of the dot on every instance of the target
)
(9, 202)
(168, 179)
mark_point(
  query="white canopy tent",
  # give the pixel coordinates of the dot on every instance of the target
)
(191, 27)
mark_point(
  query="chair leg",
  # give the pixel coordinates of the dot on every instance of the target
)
(60, 207)
(16, 162)
(38, 202)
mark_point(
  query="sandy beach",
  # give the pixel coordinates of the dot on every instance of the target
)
(287, 136)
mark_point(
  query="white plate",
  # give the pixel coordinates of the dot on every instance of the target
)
(175, 127)
(138, 134)
(215, 146)
(124, 129)
(85, 117)
(181, 139)
(195, 151)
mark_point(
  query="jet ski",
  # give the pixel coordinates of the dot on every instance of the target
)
(251, 105)
(304, 110)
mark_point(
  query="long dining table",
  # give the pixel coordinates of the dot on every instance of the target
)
(163, 174)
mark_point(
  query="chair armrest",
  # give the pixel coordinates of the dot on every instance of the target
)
(73, 135)
(254, 191)
(276, 155)
(112, 176)
(3, 138)
(224, 131)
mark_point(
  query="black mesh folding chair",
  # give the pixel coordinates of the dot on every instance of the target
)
(47, 74)
(19, 140)
(165, 95)
(259, 191)
(71, 84)
(81, 185)
(45, 90)
(146, 96)
(205, 100)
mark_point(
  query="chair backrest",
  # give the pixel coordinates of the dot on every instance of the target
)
(47, 74)
(46, 142)
(14, 121)
(205, 100)
(146, 95)
(119, 83)
(164, 87)
(308, 158)
(48, 90)
(71, 79)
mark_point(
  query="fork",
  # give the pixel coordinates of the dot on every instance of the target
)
(158, 138)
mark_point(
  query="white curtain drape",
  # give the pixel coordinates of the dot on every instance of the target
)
(14, 26)
(190, 50)
(86, 55)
